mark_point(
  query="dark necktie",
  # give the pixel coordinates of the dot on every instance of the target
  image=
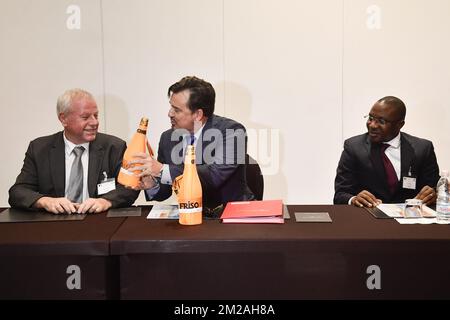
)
(391, 176)
(75, 188)
(192, 139)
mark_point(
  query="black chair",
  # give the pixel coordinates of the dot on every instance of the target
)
(255, 179)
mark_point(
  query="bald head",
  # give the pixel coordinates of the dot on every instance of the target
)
(396, 104)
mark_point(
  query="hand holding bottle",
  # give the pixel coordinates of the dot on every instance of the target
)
(128, 175)
(145, 163)
(147, 168)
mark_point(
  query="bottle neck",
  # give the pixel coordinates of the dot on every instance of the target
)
(189, 160)
(142, 129)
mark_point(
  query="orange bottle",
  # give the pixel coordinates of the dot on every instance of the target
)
(137, 144)
(189, 191)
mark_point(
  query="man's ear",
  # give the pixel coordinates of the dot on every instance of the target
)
(199, 115)
(63, 119)
(401, 124)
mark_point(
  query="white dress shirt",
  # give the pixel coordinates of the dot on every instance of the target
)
(393, 154)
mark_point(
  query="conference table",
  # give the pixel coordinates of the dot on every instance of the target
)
(59, 260)
(356, 256)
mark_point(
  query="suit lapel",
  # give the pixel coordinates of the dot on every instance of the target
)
(406, 157)
(377, 162)
(375, 157)
(168, 146)
(58, 165)
(96, 153)
(202, 144)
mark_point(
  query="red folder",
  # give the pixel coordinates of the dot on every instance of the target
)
(265, 211)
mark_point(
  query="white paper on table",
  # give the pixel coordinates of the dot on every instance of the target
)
(163, 211)
(395, 210)
(420, 221)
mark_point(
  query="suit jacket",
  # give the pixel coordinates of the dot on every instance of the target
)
(221, 170)
(43, 172)
(361, 168)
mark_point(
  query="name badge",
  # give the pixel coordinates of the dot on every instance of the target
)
(106, 185)
(409, 183)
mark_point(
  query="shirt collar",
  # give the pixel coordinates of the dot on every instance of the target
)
(197, 134)
(395, 142)
(69, 145)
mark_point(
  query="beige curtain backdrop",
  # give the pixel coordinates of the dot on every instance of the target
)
(299, 74)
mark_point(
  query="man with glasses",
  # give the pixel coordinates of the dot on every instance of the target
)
(384, 164)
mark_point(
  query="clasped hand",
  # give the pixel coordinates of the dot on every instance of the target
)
(64, 205)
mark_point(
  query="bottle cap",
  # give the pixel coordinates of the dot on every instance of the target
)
(144, 121)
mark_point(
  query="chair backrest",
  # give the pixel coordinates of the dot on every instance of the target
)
(255, 179)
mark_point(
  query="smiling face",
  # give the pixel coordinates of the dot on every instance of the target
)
(384, 122)
(80, 122)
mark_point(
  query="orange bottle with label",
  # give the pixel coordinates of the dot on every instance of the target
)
(189, 191)
(137, 144)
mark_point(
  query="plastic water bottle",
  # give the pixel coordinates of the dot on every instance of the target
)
(443, 197)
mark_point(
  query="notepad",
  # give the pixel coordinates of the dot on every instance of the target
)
(312, 217)
(18, 215)
(124, 212)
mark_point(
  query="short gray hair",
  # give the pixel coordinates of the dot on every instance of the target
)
(66, 99)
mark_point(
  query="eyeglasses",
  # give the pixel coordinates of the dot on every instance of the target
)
(381, 121)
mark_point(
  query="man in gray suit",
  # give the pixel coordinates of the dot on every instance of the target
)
(220, 144)
(384, 164)
(54, 177)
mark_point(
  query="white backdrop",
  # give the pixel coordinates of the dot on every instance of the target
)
(299, 74)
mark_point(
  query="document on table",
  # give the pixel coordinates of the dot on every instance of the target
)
(393, 210)
(396, 210)
(164, 211)
(421, 221)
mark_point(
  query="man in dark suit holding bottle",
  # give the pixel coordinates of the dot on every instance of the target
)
(220, 144)
(384, 164)
(65, 172)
